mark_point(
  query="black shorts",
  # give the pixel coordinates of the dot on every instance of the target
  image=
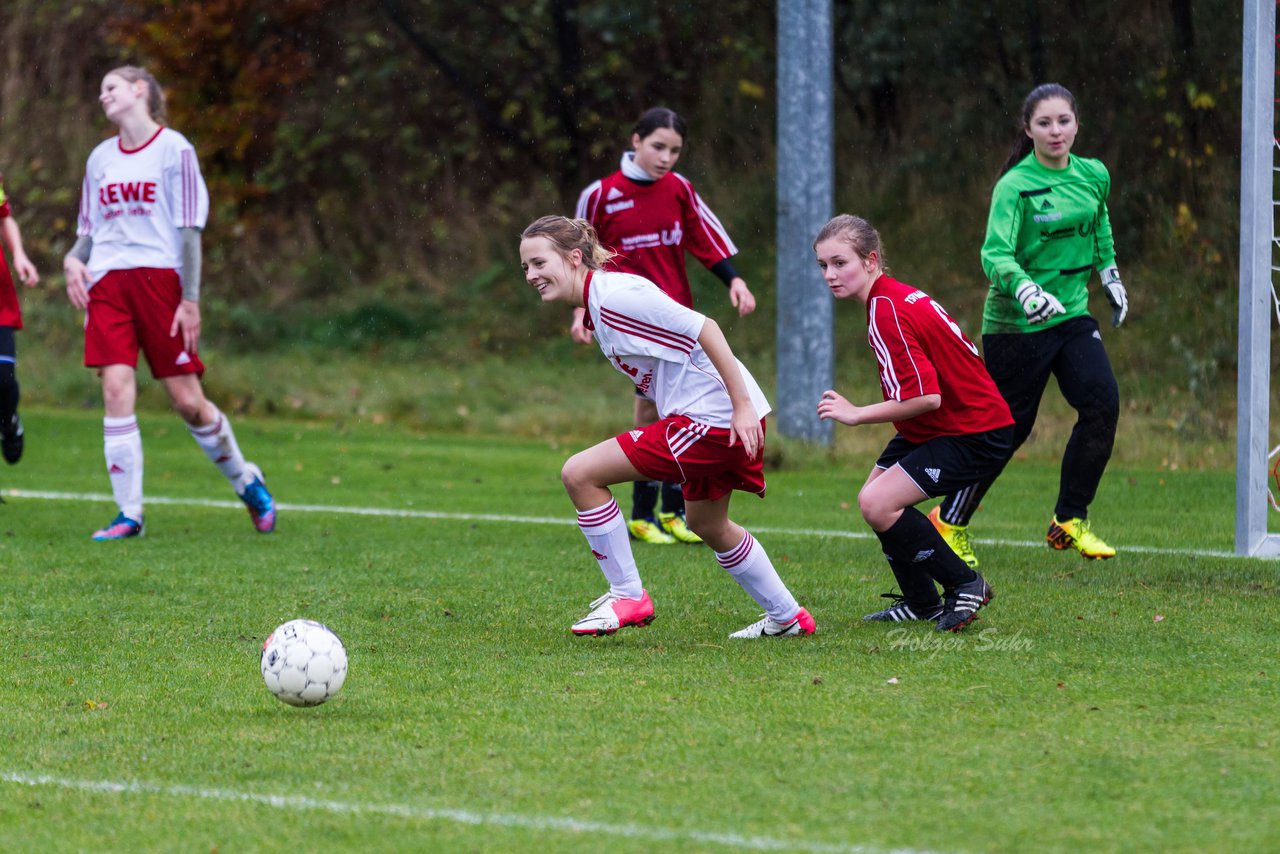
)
(949, 463)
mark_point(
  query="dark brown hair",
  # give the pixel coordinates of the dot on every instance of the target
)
(1023, 145)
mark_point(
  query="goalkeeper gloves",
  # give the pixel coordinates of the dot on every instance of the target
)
(1116, 294)
(1039, 304)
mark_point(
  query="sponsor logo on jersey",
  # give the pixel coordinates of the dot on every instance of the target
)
(933, 473)
(912, 298)
(674, 236)
(620, 206)
(1057, 234)
(127, 191)
(631, 242)
(614, 193)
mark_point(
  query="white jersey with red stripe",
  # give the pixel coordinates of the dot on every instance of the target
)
(133, 201)
(653, 341)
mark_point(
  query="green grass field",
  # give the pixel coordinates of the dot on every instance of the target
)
(1123, 705)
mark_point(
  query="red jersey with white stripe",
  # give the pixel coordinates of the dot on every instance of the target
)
(10, 312)
(653, 340)
(922, 351)
(651, 224)
(133, 202)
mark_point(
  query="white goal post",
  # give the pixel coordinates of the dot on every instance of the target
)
(1257, 235)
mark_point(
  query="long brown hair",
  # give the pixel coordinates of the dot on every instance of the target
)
(570, 234)
(1023, 145)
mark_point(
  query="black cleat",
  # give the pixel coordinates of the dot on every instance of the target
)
(963, 602)
(901, 612)
(11, 440)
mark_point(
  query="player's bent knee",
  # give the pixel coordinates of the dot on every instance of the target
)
(875, 510)
(576, 473)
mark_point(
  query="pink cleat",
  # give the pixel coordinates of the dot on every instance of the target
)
(121, 528)
(610, 613)
(262, 508)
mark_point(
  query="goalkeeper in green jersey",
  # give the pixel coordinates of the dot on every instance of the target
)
(1047, 231)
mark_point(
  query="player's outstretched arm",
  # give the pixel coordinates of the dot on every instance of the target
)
(835, 407)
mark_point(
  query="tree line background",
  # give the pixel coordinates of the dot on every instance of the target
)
(372, 161)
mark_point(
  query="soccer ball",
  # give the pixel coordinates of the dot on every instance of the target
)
(303, 663)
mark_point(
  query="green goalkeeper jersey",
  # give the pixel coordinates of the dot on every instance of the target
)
(1048, 226)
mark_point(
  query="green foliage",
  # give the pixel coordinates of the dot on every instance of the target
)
(381, 157)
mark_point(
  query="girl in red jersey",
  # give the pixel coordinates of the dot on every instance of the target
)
(953, 426)
(648, 216)
(709, 438)
(135, 271)
(11, 434)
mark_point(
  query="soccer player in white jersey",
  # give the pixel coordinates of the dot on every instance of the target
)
(135, 271)
(709, 436)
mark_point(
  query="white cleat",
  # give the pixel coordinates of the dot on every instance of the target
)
(801, 624)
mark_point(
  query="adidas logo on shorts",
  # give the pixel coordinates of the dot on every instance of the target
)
(183, 359)
(635, 435)
(934, 473)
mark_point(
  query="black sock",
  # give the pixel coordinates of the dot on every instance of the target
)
(918, 589)
(644, 497)
(913, 541)
(8, 392)
(672, 498)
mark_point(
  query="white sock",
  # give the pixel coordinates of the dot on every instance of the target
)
(606, 533)
(122, 446)
(218, 442)
(750, 566)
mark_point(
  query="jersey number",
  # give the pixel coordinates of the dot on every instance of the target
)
(946, 318)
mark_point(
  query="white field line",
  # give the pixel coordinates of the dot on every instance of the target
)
(537, 520)
(300, 803)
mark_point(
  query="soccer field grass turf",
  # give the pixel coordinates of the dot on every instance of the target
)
(1123, 705)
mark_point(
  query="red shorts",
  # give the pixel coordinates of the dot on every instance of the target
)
(678, 449)
(132, 308)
